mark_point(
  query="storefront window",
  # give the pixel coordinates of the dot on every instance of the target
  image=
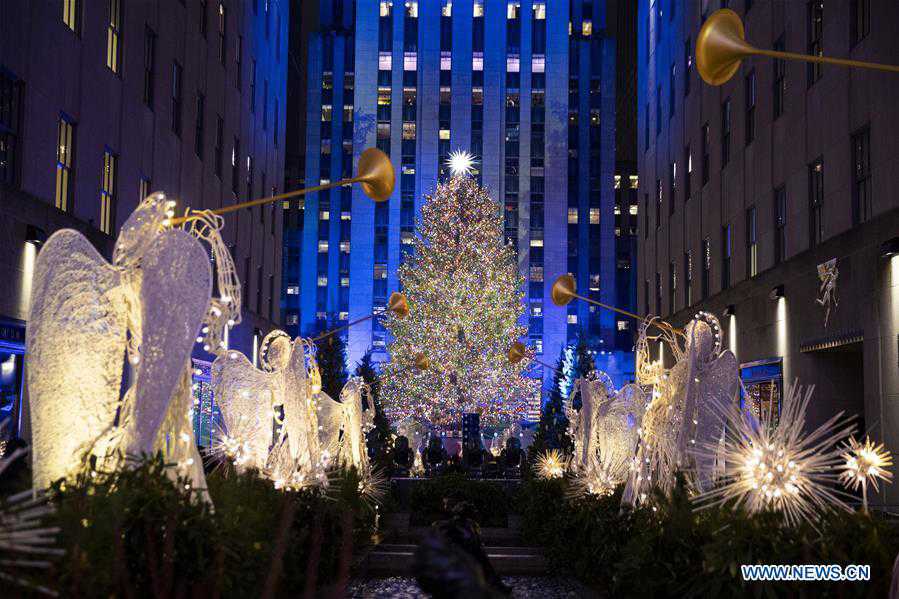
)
(12, 363)
(763, 389)
(206, 415)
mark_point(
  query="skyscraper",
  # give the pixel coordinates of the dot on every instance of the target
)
(529, 89)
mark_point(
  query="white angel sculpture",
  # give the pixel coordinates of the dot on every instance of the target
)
(605, 432)
(249, 399)
(87, 314)
(344, 424)
(685, 411)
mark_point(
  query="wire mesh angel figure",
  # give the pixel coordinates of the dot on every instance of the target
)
(87, 315)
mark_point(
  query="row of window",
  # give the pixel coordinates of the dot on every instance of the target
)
(862, 211)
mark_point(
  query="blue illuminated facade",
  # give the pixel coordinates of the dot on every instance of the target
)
(529, 89)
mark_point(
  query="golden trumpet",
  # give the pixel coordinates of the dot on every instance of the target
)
(517, 352)
(376, 176)
(565, 289)
(422, 362)
(721, 46)
(396, 303)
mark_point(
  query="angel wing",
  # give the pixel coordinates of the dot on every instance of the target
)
(352, 449)
(76, 340)
(245, 396)
(176, 283)
(301, 418)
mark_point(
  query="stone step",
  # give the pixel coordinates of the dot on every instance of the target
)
(395, 559)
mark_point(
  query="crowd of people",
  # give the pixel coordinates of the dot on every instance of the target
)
(473, 459)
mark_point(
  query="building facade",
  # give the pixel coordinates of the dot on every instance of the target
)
(529, 89)
(104, 102)
(750, 190)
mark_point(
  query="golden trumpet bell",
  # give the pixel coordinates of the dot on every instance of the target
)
(422, 362)
(398, 305)
(517, 352)
(721, 46)
(564, 290)
(376, 174)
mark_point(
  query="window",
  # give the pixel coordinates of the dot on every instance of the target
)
(688, 278)
(706, 266)
(275, 125)
(752, 246)
(672, 186)
(726, 255)
(658, 110)
(177, 84)
(725, 133)
(249, 181)
(144, 187)
(219, 145)
(816, 201)
(198, 130)
(860, 15)
(815, 38)
(780, 224)
(235, 165)
(71, 14)
(688, 173)
(238, 61)
(204, 10)
(265, 105)
(253, 86)
(113, 34)
(223, 44)
(672, 286)
(10, 112)
(706, 142)
(780, 84)
(688, 65)
(108, 192)
(671, 86)
(645, 216)
(594, 216)
(658, 203)
(65, 161)
(861, 176)
(750, 107)
(658, 309)
(149, 65)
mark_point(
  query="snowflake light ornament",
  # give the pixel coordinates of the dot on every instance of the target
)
(778, 466)
(865, 463)
(551, 464)
(461, 162)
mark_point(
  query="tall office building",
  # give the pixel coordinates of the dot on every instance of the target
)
(529, 89)
(750, 189)
(103, 102)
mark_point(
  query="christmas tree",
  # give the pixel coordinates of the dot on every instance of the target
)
(331, 358)
(465, 295)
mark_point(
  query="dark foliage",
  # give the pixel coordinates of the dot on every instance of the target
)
(490, 501)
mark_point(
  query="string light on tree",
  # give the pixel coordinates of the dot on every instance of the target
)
(464, 292)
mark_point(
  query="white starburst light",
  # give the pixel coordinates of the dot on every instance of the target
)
(460, 162)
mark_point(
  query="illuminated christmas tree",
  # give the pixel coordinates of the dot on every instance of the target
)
(465, 299)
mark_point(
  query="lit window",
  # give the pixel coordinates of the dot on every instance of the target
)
(64, 159)
(617, 181)
(410, 61)
(536, 310)
(594, 282)
(537, 274)
(477, 61)
(108, 193)
(444, 134)
(380, 271)
(293, 290)
(409, 130)
(538, 345)
(292, 319)
(323, 281)
(324, 181)
(323, 245)
(345, 247)
(512, 10)
(412, 9)
(344, 281)
(572, 319)
(345, 215)
(324, 215)
(71, 13)
(572, 216)
(385, 61)
(513, 63)
(538, 63)
(326, 112)
(633, 210)
(634, 180)
(112, 36)
(447, 10)
(385, 8)
(617, 210)
(587, 28)
(478, 8)
(594, 216)
(536, 243)
(623, 325)
(446, 61)
(343, 315)
(539, 11)
(406, 237)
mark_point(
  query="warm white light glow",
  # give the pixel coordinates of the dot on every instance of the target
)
(29, 252)
(551, 464)
(460, 162)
